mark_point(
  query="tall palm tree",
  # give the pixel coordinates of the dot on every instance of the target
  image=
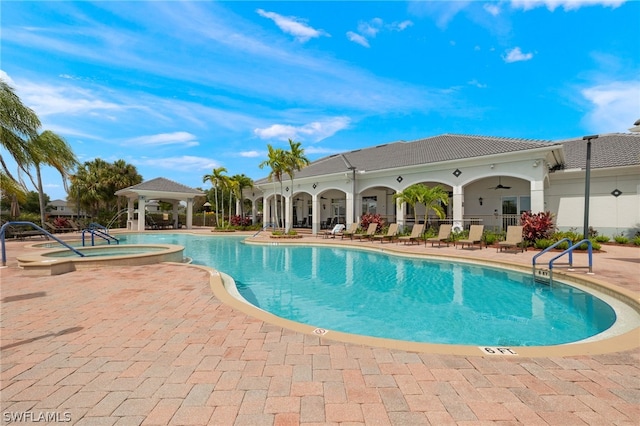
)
(123, 175)
(243, 182)
(275, 160)
(232, 186)
(295, 160)
(18, 124)
(216, 178)
(51, 150)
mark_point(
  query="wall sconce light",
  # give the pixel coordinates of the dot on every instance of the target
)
(324, 207)
(480, 200)
(535, 163)
(492, 166)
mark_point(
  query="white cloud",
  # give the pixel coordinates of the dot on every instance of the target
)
(516, 55)
(249, 154)
(175, 138)
(615, 106)
(185, 163)
(565, 4)
(292, 25)
(492, 8)
(357, 38)
(371, 28)
(315, 131)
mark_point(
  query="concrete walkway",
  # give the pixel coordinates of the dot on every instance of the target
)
(152, 345)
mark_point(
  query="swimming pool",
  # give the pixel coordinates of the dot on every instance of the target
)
(381, 295)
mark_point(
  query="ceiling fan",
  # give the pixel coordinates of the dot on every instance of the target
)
(500, 185)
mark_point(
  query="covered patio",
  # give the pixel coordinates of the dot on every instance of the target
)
(160, 189)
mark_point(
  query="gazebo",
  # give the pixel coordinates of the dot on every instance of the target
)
(160, 189)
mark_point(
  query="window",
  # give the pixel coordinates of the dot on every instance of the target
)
(369, 204)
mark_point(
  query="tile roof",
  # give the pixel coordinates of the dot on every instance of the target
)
(609, 150)
(164, 185)
(423, 151)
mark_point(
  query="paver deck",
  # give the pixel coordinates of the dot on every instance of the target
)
(153, 345)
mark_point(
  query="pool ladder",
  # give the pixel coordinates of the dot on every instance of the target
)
(546, 275)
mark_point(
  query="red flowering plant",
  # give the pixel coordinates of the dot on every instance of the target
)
(536, 226)
(369, 218)
(238, 220)
(61, 222)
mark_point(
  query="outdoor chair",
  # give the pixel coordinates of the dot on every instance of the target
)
(443, 236)
(371, 230)
(391, 234)
(475, 237)
(350, 232)
(514, 240)
(336, 230)
(416, 234)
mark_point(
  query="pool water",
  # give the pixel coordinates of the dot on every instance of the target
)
(381, 295)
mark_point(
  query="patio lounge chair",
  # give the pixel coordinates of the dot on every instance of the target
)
(514, 240)
(351, 231)
(443, 236)
(475, 237)
(371, 230)
(336, 230)
(391, 234)
(416, 234)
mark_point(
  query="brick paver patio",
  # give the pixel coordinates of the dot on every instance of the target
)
(152, 345)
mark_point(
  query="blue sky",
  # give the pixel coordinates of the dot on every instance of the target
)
(179, 88)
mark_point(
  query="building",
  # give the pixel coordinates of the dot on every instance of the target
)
(490, 180)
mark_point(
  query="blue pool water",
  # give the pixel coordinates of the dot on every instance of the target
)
(382, 295)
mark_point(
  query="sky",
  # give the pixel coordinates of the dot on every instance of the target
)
(178, 88)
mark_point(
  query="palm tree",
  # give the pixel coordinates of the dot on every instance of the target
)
(243, 182)
(232, 186)
(18, 124)
(275, 160)
(294, 160)
(433, 198)
(216, 178)
(123, 176)
(51, 150)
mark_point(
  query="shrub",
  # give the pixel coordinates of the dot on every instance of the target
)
(602, 239)
(584, 246)
(536, 226)
(636, 240)
(369, 218)
(620, 239)
(490, 238)
(238, 220)
(61, 222)
(572, 235)
(543, 243)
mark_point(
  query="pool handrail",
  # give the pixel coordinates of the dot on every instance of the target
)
(102, 234)
(33, 225)
(552, 246)
(570, 251)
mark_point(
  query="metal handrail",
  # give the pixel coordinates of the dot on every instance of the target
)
(570, 250)
(33, 225)
(552, 246)
(97, 231)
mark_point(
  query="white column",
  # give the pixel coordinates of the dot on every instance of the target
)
(142, 213)
(315, 213)
(349, 207)
(130, 206)
(537, 196)
(189, 213)
(458, 210)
